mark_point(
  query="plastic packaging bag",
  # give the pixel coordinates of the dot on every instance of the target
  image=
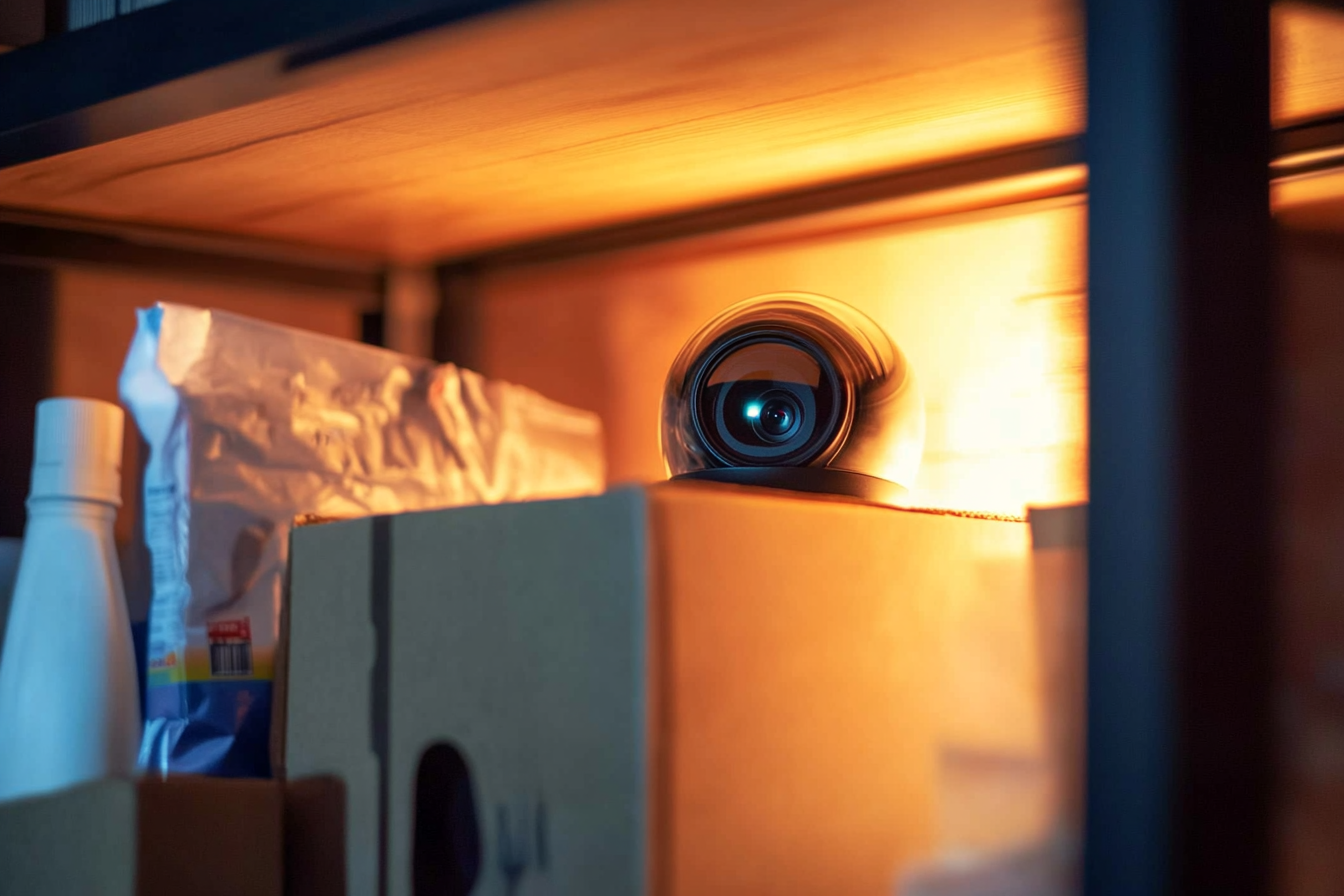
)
(249, 424)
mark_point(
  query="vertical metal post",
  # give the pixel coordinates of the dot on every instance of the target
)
(1181, 353)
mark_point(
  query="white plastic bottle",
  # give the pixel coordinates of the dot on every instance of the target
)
(69, 700)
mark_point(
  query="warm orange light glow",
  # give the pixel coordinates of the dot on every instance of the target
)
(1311, 201)
(1311, 157)
(988, 307)
(1308, 75)
(554, 117)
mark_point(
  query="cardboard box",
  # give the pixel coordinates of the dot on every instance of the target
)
(673, 690)
(197, 836)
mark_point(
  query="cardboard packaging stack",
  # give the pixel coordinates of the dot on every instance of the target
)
(185, 835)
(146, 838)
(671, 690)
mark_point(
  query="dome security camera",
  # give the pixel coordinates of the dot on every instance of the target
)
(794, 391)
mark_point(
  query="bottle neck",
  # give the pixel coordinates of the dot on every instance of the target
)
(52, 507)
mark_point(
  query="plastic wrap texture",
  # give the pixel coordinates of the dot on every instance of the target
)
(249, 424)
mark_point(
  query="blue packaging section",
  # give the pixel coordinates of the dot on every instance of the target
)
(219, 728)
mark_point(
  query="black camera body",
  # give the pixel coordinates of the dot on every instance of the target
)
(795, 391)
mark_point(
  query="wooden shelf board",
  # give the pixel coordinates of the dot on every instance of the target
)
(1308, 62)
(572, 114)
(486, 125)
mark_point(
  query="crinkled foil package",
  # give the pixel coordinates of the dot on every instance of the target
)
(250, 424)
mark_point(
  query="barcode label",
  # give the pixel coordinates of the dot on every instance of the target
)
(230, 647)
(231, 659)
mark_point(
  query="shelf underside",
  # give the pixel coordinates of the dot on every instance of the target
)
(568, 115)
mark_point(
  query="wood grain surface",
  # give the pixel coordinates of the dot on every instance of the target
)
(577, 113)
(1308, 62)
(565, 115)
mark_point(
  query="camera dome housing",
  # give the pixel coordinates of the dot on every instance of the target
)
(794, 391)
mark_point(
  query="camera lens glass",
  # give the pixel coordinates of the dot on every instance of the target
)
(768, 400)
(777, 417)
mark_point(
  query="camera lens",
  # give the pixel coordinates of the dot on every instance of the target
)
(794, 391)
(777, 417)
(767, 399)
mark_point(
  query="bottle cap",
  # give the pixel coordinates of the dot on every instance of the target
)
(77, 450)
